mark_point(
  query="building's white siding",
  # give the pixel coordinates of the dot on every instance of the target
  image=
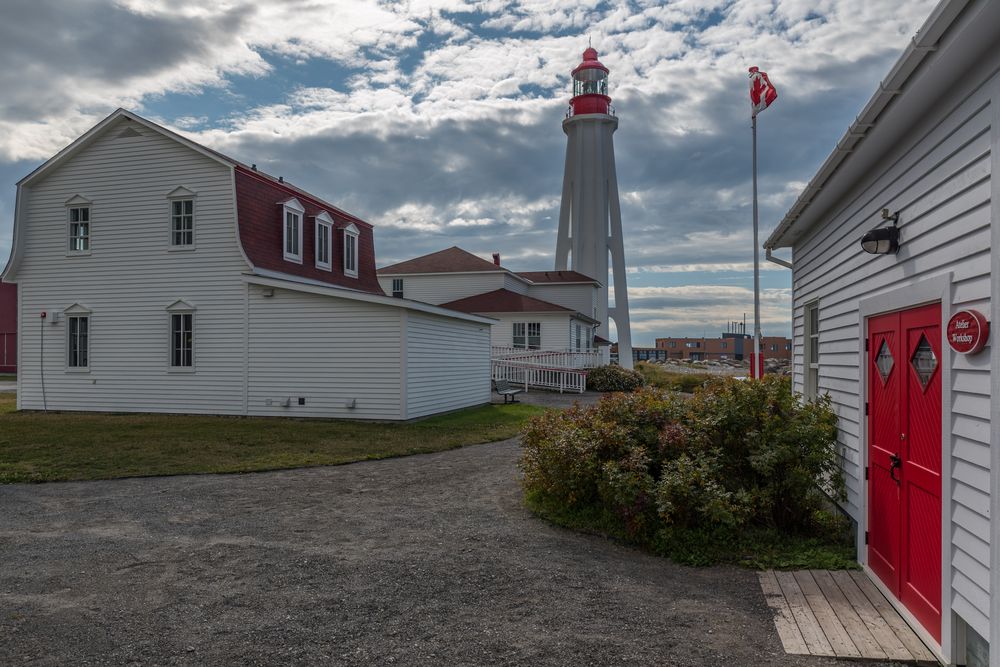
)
(331, 352)
(940, 182)
(129, 279)
(581, 298)
(447, 364)
(555, 328)
(442, 288)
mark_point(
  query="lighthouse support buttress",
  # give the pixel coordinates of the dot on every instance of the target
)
(590, 220)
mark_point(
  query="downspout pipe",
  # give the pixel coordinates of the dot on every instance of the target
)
(776, 260)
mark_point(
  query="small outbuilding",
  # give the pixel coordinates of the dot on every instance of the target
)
(893, 285)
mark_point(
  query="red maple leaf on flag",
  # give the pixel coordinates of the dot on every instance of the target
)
(762, 93)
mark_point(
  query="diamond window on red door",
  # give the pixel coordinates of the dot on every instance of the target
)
(884, 361)
(924, 362)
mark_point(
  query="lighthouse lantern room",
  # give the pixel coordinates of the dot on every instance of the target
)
(590, 86)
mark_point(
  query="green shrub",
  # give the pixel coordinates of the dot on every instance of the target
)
(737, 455)
(614, 378)
(658, 376)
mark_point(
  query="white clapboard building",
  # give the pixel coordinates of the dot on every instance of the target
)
(892, 336)
(550, 311)
(156, 275)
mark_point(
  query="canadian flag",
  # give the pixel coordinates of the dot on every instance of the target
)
(762, 93)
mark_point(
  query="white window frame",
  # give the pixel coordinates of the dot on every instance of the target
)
(181, 194)
(538, 327)
(397, 288)
(292, 209)
(78, 312)
(181, 308)
(810, 340)
(351, 235)
(324, 224)
(77, 203)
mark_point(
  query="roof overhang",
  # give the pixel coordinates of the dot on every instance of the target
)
(948, 45)
(313, 287)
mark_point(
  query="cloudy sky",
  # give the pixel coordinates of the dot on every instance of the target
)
(439, 120)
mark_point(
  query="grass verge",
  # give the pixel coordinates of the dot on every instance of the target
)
(39, 447)
(7, 377)
(657, 376)
(830, 548)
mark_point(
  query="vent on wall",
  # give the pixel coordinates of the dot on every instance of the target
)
(128, 133)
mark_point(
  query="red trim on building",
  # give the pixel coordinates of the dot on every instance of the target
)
(258, 207)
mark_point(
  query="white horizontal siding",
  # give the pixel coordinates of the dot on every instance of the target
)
(447, 364)
(129, 279)
(556, 329)
(438, 289)
(330, 352)
(941, 184)
(581, 298)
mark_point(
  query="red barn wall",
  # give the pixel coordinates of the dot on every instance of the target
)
(8, 328)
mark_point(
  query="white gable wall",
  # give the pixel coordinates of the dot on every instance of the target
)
(441, 288)
(129, 279)
(556, 328)
(941, 182)
(581, 298)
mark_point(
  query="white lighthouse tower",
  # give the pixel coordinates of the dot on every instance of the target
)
(590, 218)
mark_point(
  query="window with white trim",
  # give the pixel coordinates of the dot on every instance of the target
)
(78, 341)
(810, 361)
(79, 229)
(292, 212)
(324, 241)
(578, 337)
(181, 223)
(397, 288)
(182, 340)
(527, 335)
(351, 251)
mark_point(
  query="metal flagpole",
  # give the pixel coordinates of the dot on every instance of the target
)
(755, 371)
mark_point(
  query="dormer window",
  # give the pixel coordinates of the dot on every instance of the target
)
(292, 212)
(351, 251)
(324, 241)
(78, 221)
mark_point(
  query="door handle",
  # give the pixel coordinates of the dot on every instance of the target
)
(894, 462)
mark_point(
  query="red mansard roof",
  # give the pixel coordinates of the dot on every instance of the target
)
(503, 301)
(258, 203)
(451, 260)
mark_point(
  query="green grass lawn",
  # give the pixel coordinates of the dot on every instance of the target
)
(40, 447)
(7, 377)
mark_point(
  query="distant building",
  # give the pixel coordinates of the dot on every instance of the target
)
(731, 345)
(8, 328)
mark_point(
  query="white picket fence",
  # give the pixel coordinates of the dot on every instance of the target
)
(576, 359)
(532, 375)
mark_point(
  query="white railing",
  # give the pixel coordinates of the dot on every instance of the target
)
(531, 375)
(577, 359)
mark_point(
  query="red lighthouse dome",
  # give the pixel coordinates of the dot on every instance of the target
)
(590, 86)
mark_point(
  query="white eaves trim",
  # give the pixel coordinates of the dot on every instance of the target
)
(314, 287)
(895, 85)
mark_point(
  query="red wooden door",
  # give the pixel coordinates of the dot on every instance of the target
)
(904, 459)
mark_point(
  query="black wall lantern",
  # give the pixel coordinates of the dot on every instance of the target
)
(884, 240)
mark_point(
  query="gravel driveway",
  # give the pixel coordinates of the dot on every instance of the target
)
(421, 560)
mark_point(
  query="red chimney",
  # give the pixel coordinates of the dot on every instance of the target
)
(496, 258)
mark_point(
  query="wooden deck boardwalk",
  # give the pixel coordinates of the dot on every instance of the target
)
(840, 614)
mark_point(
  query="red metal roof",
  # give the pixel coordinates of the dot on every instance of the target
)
(503, 301)
(451, 260)
(260, 214)
(556, 277)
